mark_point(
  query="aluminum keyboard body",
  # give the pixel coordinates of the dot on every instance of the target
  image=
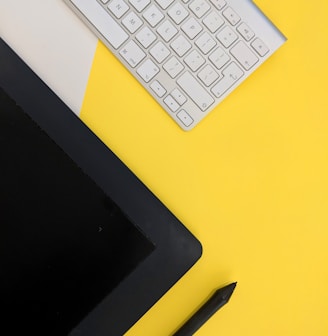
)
(188, 54)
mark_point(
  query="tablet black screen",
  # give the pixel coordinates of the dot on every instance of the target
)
(64, 245)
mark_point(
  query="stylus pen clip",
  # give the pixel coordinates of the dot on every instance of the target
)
(215, 302)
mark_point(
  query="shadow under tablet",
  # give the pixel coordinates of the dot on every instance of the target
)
(64, 245)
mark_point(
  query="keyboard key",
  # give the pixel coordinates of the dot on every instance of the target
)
(132, 53)
(219, 4)
(231, 75)
(105, 24)
(219, 58)
(140, 5)
(177, 13)
(227, 36)
(260, 47)
(153, 15)
(192, 28)
(194, 60)
(159, 52)
(205, 43)
(181, 45)
(208, 75)
(118, 8)
(245, 31)
(213, 21)
(195, 91)
(167, 30)
(173, 67)
(199, 7)
(171, 103)
(132, 22)
(231, 16)
(178, 96)
(164, 3)
(158, 88)
(146, 37)
(185, 118)
(148, 70)
(244, 55)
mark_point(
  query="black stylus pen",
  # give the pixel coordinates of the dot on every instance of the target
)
(215, 302)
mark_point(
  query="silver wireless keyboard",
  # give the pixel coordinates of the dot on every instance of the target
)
(188, 54)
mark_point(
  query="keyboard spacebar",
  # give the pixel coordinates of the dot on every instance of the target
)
(103, 22)
(195, 91)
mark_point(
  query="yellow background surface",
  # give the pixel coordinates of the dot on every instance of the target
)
(250, 181)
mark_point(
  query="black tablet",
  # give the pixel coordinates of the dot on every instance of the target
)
(85, 248)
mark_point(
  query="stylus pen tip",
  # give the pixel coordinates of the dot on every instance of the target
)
(212, 305)
(226, 292)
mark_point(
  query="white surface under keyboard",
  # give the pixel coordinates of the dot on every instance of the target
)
(60, 54)
(188, 54)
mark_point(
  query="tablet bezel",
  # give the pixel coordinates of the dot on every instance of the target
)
(176, 248)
